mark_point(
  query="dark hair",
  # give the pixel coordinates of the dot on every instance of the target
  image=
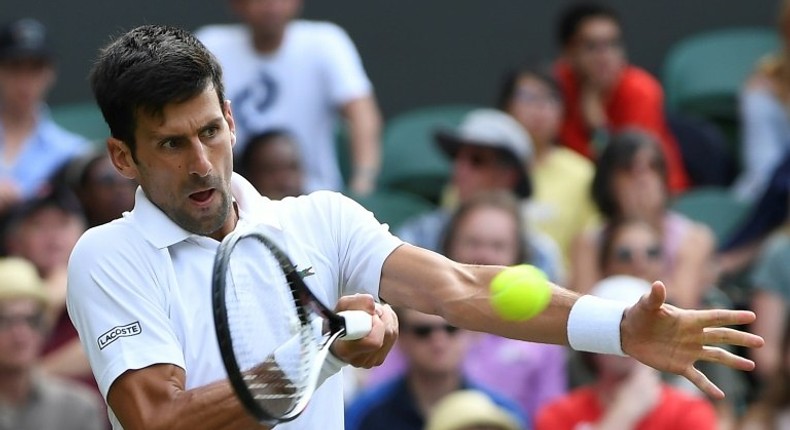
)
(504, 200)
(619, 155)
(572, 18)
(255, 143)
(509, 83)
(146, 69)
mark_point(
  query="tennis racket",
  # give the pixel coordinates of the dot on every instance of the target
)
(273, 333)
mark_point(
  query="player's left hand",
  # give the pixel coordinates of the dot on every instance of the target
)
(672, 339)
(371, 350)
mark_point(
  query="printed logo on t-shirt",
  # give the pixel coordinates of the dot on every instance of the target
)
(115, 333)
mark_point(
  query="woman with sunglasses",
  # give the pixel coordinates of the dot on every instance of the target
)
(631, 182)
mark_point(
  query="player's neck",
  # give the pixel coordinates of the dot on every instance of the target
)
(427, 389)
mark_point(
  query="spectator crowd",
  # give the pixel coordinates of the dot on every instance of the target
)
(575, 167)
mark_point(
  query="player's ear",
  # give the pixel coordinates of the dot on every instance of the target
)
(228, 113)
(121, 157)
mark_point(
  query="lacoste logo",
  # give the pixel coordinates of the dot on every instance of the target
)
(305, 272)
(118, 332)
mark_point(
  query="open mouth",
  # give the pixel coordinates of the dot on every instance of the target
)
(202, 196)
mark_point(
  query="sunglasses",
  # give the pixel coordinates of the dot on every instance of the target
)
(625, 254)
(424, 331)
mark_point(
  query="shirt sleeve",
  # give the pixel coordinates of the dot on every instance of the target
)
(344, 71)
(116, 302)
(363, 244)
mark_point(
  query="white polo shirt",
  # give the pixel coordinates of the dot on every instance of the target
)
(139, 288)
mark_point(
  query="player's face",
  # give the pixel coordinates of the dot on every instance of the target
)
(21, 334)
(486, 235)
(537, 108)
(597, 53)
(184, 162)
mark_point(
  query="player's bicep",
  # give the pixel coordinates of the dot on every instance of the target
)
(141, 398)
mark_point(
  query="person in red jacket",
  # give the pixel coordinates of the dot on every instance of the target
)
(603, 93)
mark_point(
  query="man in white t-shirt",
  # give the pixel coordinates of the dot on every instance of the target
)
(298, 75)
(148, 275)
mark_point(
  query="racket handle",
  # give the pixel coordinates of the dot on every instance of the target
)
(358, 324)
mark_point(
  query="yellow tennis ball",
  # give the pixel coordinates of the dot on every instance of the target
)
(520, 292)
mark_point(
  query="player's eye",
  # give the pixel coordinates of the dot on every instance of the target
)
(210, 132)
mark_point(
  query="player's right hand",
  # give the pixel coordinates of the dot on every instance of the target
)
(371, 350)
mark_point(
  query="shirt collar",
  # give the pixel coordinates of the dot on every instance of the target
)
(161, 232)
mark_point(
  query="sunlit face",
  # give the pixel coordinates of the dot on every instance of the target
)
(636, 251)
(427, 344)
(21, 334)
(267, 16)
(640, 189)
(24, 83)
(486, 235)
(184, 162)
(596, 52)
(46, 238)
(276, 169)
(480, 168)
(537, 108)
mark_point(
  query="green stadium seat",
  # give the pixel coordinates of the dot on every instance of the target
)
(393, 207)
(714, 206)
(411, 162)
(703, 74)
(83, 118)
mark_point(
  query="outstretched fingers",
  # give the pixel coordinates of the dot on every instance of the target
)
(728, 336)
(703, 383)
(722, 317)
(720, 355)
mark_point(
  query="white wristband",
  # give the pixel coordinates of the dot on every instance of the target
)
(594, 325)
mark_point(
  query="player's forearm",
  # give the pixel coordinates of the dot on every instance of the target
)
(154, 398)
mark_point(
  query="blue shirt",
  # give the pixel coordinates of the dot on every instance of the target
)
(47, 149)
(391, 406)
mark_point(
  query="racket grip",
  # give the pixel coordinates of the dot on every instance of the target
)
(358, 324)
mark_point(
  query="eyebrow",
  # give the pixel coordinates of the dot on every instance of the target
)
(214, 122)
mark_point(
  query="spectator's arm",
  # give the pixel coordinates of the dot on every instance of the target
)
(692, 273)
(364, 124)
(772, 312)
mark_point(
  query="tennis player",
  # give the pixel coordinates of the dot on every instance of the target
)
(139, 286)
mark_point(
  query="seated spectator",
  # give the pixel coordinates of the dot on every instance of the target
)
(770, 278)
(103, 193)
(625, 393)
(487, 229)
(489, 151)
(765, 120)
(34, 147)
(561, 205)
(631, 182)
(44, 232)
(272, 163)
(603, 93)
(470, 410)
(771, 411)
(434, 351)
(30, 399)
(280, 71)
